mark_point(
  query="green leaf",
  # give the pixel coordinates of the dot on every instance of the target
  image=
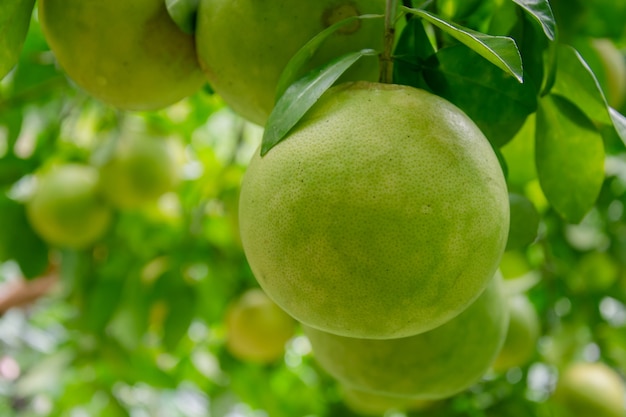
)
(14, 22)
(499, 50)
(412, 49)
(540, 11)
(181, 311)
(303, 94)
(576, 82)
(183, 13)
(569, 154)
(293, 69)
(495, 101)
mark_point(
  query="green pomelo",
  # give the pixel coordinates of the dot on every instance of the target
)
(522, 334)
(432, 365)
(66, 209)
(257, 329)
(141, 169)
(129, 54)
(383, 214)
(590, 390)
(243, 66)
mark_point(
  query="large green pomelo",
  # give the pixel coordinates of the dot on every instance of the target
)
(129, 54)
(244, 45)
(66, 209)
(383, 214)
(431, 365)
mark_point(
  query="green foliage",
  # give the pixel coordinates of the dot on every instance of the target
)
(135, 324)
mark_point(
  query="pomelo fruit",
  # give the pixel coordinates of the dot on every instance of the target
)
(129, 54)
(431, 365)
(243, 46)
(257, 329)
(140, 170)
(66, 208)
(383, 214)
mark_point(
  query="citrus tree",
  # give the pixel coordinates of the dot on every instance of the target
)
(297, 208)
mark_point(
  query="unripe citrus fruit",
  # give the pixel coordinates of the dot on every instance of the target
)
(521, 336)
(66, 209)
(257, 329)
(243, 66)
(590, 389)
(140, 170)
(383, 214)
(431, 365)
(129, 54)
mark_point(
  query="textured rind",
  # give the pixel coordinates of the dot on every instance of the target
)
(243, 66)
(129, 54)
(432, 365)
(383, 214)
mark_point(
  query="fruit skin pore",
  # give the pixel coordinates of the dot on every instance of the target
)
(66, 209)
(382, 215)
(243, 66)
(129, 54)
(432, 365)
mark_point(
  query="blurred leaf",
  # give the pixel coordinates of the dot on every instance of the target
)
(293, 69)
(181, 311)
(303, 94)
(183, 12)
(499, 50)
(540, 11)
(524, 222)
(101, 302)
(569, 157)
(495, 101)
(14, 21)
(18, 241)
(519, 154)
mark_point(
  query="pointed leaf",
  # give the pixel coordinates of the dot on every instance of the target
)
(619, 123)
(14, 22)
(541, 11)
(183, 13)
(293, 69)
(303, 94)
(499, 50)
(577, 82)
(569, 155)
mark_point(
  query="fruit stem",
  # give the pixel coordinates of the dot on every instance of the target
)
(386, 60)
